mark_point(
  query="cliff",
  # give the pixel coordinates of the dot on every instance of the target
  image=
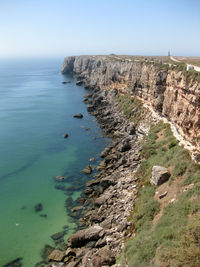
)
(142, 207)
(167, 91)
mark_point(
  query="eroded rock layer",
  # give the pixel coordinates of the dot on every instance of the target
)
(168, 92)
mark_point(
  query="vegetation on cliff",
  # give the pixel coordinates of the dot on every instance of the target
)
(165, 232)
(131, 107)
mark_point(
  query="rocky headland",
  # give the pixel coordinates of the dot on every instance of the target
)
(153, 93)
(165, 89)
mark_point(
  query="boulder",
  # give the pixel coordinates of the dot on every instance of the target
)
(103, 257)
(70, 252)
(160, 175)
(85, 100)
(130, 129)
(56, 255)
(124, 146)
(65, 135)
(163, 195)
(79, 116)
(88, 191)
(87, 169)
(90, 108)
(81, 237)
(93, 182)
(46, 251)
(102, 199)
(77, 208)
(79, 83)
(87, 96)
(107, 181)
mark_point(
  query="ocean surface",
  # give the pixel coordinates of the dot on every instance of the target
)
(36, 110)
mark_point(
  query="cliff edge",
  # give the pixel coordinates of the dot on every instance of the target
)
(168, 91)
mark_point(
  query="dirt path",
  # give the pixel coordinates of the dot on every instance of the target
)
(188, 65)
(182, 141)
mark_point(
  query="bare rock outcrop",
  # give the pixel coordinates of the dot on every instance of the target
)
(113, 191)
(168, 92)
(160, 175)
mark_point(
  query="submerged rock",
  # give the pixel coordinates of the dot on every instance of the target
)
(46, 251)
(14, 263)
(38, 207)
(60, 178)
(60, 187)
(79, 116)
(56, 255)
(87, 169)
(58, 235)
(87, 96)
(77, 208)
(43, 215)
(66, 82)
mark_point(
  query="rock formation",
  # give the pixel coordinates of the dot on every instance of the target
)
(114, 189)
(167, 91)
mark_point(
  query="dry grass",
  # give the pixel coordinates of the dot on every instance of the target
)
(190, 60)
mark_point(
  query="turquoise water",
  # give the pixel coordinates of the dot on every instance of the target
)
(36, 109)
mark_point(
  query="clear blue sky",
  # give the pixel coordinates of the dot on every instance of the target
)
(35, 28)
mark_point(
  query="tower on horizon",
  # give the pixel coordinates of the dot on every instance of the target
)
(169, 54)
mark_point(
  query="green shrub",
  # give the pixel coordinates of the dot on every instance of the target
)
(187, 251)
(145, 208)
(172, 144)
(180, 168)
(128, 104)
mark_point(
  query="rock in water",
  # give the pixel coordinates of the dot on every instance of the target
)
(58, 235)
(160, 175)
(65, 135)
(16, 262)
(79, 116)
(43, 215)
(87, 169)
(81, 237)
(38, 207)
(66, 82)
(56, 255)
(60, 178)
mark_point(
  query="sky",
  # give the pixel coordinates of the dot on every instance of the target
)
(58, 28)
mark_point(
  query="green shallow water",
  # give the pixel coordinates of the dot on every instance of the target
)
(36, 109)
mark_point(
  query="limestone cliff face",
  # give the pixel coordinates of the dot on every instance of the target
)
(166, 91)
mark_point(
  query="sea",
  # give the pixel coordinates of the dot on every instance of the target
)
(36, 110)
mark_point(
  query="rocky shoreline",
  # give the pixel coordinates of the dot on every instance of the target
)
(108, 199)
(111, 192)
